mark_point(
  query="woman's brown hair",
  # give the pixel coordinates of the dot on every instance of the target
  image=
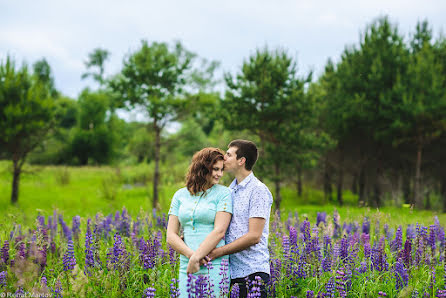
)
(201, 168)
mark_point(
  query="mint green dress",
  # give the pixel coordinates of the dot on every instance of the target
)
(197, 215)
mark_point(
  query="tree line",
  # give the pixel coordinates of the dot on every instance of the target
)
(374, 122)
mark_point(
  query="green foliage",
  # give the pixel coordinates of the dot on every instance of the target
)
(96, 59)
(26, 113)
(268, 99)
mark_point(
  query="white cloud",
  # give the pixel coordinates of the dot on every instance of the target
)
(66, 31)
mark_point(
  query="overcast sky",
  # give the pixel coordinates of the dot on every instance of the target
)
(64, 32)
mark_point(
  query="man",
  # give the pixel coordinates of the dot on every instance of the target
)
(247, 235)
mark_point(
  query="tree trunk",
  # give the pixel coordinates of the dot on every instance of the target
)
(15, 182)
(327, 182)
(443, 191)
(361, 185)
(377, 193)
(377, 186)
(406, 189)
(299, 182)
(278, 198)
(157, 161)
(355, 184)
(417, 185)
(340, 178)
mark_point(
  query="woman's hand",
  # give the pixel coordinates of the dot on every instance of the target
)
(194, 265)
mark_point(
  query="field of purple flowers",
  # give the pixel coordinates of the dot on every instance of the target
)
(117, 255)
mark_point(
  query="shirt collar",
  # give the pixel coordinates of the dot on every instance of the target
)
(245, 181)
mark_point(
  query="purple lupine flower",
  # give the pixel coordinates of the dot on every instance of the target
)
(410, 232)
(275, 270)
(388, 232)
(326, 263)
(432, 237)
(5, 253)
(321, 217)
(57, 291)
(43, 281)
(441, 239)
(340, 284)
(52, 246)
(441, 293)
(382, 294)
(42, 257)
(172, 256)
(3, 278)
(327, 245)
(305, 230)
(401, 275)
(235, 291)
(21, 252)
(124, 224)
(118, 255)
(19, 292)
(149, 292)
(69, 261)
(330, 287)
(41, 220)
(75, 226)
(174, 291)
(366, 226)
(203, 287)
(293, 236)
(362, 268)
(420, 250)
(347, 227)
(344, 248)
(89, 255)
(191, 285)
(254, 290)
(433, 280)
(367, 250)
(65, 229)
(286, 247)
(310, 294)
(224, 284)
(397, 243)
(407, 253)
(337, 231)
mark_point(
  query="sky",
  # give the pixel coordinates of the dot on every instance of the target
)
(65, 32)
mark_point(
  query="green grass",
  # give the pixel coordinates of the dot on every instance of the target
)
(85, 191)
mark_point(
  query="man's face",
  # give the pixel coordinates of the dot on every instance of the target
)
(231, 162)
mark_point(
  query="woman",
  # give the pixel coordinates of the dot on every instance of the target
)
(204, 209)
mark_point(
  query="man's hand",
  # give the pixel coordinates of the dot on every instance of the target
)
(204, 260)
(193, 265)
(215, 253)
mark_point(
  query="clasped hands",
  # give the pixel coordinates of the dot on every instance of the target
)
(194, 262)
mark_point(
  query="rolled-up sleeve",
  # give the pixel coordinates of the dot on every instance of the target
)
(225, 202)
(174, 205)
(260, 203)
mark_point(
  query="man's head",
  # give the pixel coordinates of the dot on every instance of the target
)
(240, 154)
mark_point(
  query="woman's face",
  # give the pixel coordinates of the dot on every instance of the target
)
(217, 172)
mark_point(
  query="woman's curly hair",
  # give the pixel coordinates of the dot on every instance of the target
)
(201, 168)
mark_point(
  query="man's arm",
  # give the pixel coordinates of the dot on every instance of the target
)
(255, 230)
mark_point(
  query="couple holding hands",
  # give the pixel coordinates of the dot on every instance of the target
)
(221, 222)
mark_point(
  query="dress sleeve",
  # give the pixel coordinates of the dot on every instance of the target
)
(225, 202)
(260, 203)
(174, 205)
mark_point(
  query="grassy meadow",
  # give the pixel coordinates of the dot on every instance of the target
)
(86, 191)
(126, 255)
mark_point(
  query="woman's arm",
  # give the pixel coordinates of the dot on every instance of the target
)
(174, 240)
(221, 223)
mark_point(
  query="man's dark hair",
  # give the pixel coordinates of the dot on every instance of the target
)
(246, 149)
